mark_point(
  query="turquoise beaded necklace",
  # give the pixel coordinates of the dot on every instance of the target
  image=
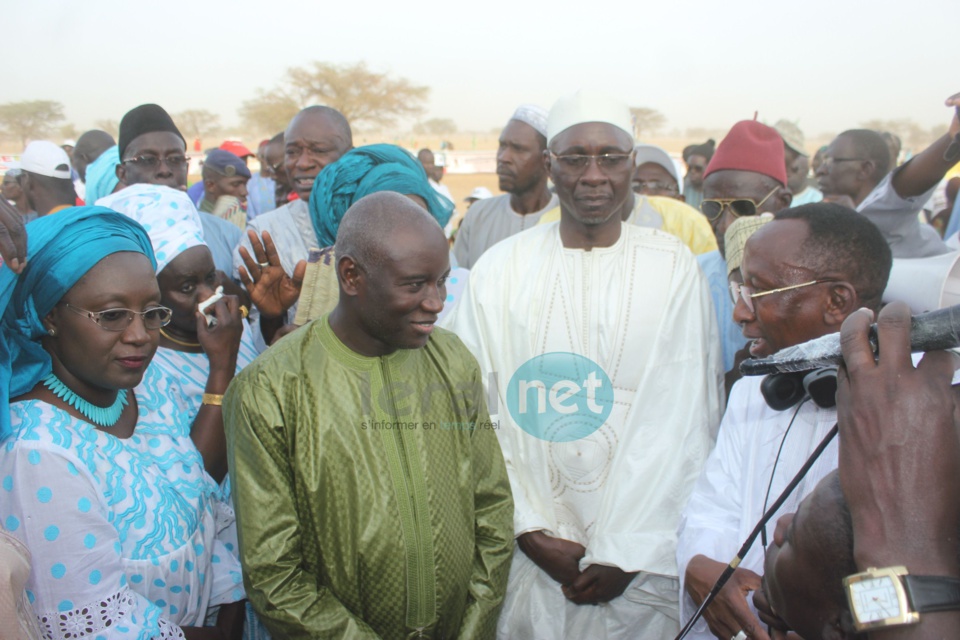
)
(102, 416)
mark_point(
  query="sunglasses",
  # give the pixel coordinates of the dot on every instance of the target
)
(739, 207)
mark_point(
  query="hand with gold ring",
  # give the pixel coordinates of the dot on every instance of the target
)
(270, 288)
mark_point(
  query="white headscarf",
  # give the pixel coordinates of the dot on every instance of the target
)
(167, 215)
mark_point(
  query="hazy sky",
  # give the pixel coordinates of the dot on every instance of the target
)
(828, 64)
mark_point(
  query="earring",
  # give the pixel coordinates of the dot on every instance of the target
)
(52, 332)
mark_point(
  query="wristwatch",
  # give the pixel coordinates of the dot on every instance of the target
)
(889, 597)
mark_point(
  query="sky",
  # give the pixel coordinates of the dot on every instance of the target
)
(827, 65)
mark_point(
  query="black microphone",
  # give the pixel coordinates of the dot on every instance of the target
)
(931, 331)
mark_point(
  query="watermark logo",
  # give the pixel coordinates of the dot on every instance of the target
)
(560, 396)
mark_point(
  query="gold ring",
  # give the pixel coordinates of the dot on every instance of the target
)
(244, 311)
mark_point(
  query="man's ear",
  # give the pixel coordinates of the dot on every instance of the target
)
(26, 185)
(547, 161)
(842, 302)
(121, 171)
(784, 197)
(867, 170)
(350, 275)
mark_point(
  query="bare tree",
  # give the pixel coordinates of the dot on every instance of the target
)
(269, 112)
(646, 121)
(198, 123)
(30, 119)
(363, 96)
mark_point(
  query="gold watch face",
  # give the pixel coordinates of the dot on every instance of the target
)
(877, 599)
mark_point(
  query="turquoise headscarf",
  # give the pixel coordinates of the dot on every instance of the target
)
(60, 250)
(102, 175)
(366, 170)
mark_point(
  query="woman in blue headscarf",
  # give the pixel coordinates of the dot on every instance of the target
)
(358, 173)
(366, 170)
(97, 478)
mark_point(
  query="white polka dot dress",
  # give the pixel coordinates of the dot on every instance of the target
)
(122, 531)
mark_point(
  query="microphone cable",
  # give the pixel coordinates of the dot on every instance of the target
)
(730, 568)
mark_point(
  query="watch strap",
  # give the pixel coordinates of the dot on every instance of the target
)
(928, 594)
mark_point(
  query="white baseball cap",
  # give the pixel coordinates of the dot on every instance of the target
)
(46, 159)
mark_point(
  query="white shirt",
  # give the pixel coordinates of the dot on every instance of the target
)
(732, 494)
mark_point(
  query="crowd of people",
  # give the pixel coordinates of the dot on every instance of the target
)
(281, 404)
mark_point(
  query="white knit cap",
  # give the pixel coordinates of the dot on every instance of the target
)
(588, 106)
(532, 115)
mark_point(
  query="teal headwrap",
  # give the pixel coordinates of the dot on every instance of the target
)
(366, 170)
(60, 249)
(102, 175)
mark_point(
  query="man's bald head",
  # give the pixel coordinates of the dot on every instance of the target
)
(392, 263)
(89, 147)
(373, 224)
(330, 116)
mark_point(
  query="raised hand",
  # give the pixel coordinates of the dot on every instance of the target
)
(271, 290)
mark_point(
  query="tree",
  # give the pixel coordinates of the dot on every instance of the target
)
(435, 127)
(197, 123)
(269, 113)
(363, 96)
(30, 119)
(68, 131)
(646, 121)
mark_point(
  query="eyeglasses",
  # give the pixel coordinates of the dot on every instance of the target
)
(828, 161)
(606, 162)
(746, 292)
(641, 186)
(152, 161)
(119, 319)
(740, 207)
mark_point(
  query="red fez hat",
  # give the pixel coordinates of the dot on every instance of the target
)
(751, 146)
